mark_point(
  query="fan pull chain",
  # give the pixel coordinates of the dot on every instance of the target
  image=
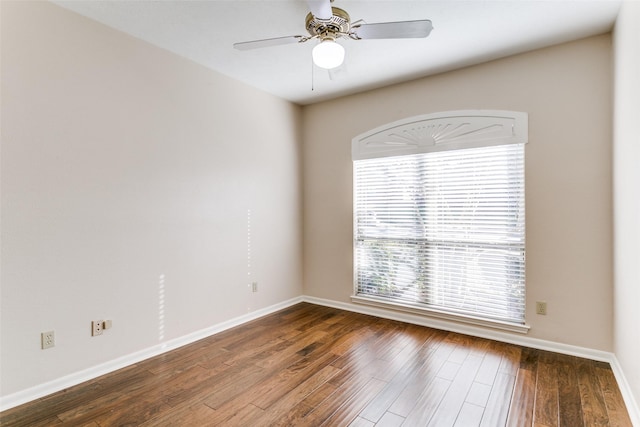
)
(312, 75)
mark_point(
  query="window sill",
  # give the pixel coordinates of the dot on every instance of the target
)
(408, 308)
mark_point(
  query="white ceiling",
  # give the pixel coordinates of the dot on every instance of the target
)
(465, 33)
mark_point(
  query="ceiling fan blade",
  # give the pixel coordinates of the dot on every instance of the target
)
(321, 9)
(256, 44)
(394, 30)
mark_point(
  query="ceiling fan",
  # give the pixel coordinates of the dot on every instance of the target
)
(328, 24)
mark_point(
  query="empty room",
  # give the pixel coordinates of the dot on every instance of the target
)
(305, 213)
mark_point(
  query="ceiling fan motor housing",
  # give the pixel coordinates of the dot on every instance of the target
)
(338, 25)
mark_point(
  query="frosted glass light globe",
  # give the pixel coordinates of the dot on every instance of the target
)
(328, 54)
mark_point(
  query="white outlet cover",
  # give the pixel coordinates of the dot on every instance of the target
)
(48, 339)
(96, 327)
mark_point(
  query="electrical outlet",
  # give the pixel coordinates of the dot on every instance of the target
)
(254, 286)
(97, 326)
(48, 339)
(541, 308)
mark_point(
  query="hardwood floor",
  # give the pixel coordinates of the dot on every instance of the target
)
(310, 365)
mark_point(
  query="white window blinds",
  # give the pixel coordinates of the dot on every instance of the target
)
(443, 229)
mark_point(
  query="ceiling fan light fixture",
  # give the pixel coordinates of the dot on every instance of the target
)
(328, 54)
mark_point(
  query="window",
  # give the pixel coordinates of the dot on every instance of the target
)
(439, 215)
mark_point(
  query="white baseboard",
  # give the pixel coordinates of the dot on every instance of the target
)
(625, 389)
(33, 393)
(467, 329)
(518, 339)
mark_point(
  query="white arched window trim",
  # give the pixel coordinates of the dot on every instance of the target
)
(451, 130)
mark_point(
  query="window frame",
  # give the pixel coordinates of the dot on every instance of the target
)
(444, 131)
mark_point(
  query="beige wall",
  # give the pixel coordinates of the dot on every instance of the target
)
(627, 194)
(133, 182)
(566, 92)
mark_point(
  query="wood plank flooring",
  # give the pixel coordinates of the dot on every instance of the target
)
(310, 365)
